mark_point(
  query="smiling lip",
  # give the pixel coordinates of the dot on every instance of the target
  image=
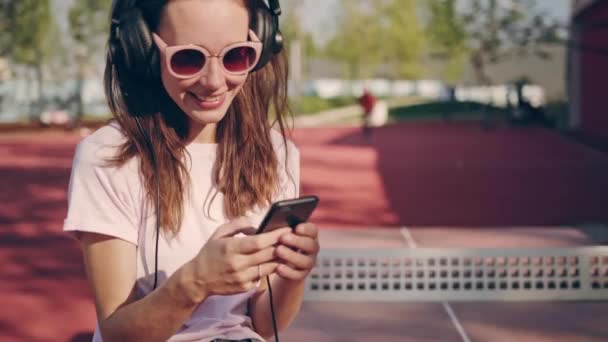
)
(208, 102)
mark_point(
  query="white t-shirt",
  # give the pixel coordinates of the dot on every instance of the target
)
(110, 201)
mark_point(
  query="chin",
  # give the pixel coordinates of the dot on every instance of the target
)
(207, 116)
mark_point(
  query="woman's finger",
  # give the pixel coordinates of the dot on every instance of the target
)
(239, 225)
(307, 229)
(298, 260)
(265, 255)
(255, 243)
(255, 274)
(304, 244)
(290, 273)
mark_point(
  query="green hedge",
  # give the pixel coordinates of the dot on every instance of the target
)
(312, 104)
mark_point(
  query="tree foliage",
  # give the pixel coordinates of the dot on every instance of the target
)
(7, 15)
(291, 28)
(447, 38)
(29, 37)
(400, 38)
(27, 26)
(488, 31)
(354, 42)
(88, 21)
(371, 33)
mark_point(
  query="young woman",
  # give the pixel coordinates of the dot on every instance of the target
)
(190, 84)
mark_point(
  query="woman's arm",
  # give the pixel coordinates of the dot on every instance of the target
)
(297, 254)
(225, 265)
(111, 268)
(287, 299)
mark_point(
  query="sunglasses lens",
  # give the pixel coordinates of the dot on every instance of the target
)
(187, 62)
(239, 59)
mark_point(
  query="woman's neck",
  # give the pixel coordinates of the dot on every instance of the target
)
(202, 133)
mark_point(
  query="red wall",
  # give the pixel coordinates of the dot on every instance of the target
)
(594, 73)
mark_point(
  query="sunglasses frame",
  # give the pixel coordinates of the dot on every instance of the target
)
(169, 50)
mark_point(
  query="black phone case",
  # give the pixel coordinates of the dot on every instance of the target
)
(288, 213)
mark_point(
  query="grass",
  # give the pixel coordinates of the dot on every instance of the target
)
(306, 105)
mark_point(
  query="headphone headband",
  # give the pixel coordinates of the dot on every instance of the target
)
(275, 7)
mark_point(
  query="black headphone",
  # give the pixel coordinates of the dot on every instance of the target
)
(131, 41)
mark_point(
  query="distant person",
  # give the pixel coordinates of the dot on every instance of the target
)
(450, 97)
(367, 101)
(164, 198)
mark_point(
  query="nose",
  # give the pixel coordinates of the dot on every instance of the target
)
(212, 77)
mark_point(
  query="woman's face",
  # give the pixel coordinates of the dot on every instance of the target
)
(212, 24)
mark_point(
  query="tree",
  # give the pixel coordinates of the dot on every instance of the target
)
(7, 16)
(88, 24)
(31, 27)
(400, 37)
(493, 30)
(356, 40)
(447, 37)
(296, 42)
(292, 29)
(377, 32)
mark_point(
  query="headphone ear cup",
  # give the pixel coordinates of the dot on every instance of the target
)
(113, 51)
(265, 25)
(133, 46)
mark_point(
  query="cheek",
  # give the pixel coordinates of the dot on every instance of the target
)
(235, 84)
(174, 87)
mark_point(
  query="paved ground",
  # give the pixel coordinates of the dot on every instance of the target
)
(449, 186)
(445, 321)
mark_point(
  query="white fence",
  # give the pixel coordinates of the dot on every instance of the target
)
(460, 274)
(497, 95)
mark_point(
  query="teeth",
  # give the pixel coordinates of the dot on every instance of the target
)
(208, 99)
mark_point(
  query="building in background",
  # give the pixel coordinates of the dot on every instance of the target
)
(588, 71)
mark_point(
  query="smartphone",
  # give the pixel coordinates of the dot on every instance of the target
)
(288, 213)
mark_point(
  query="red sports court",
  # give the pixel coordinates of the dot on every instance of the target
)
(409, 187)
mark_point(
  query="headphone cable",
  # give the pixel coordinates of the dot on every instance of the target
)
(157, 179)
(274, 321)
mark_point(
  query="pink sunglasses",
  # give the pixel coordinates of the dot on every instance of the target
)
(188, 61)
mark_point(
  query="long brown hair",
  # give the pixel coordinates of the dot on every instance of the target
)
(246, 169)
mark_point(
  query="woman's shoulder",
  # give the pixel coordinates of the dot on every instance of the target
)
(101, 145)
(280, 142)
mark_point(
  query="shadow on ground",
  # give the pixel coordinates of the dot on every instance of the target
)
(460, 174)
(42, 274)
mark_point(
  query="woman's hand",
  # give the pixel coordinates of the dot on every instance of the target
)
(297, 251)
(229, 265)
